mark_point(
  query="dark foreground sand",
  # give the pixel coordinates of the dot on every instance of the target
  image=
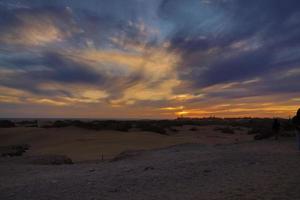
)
(253, 170)
(82, 144)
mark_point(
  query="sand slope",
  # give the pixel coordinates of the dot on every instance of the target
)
(82, 144)
(254, 170)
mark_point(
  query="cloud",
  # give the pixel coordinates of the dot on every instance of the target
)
(36, 26)
(240, 41)
(223, 57)
(48, 67)
(141, 73)
(144, 73)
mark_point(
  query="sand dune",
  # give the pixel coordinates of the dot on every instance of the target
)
(257, 170)
(82, 145)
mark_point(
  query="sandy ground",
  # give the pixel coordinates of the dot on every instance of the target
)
(255, 170)
(250, 170)
(81, 144)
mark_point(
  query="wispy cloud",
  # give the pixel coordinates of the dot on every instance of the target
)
(150, 58)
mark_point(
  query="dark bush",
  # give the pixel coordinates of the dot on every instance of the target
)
(253, 131)
(173, 129)
(60, 124)
(28, 123)
(263, 133)
(152, 127)
(6, 124)
(226, 130)
(261, 136)
(288, 126)
(50, 160)
(125, 127)
(14, 150)
(193, 129)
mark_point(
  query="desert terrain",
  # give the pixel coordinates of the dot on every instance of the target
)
(84, 145)
(193, 162)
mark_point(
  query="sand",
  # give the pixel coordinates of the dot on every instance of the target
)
(83, 145)
(250, 170)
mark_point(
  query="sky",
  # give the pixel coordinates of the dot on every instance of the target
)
(149, 58)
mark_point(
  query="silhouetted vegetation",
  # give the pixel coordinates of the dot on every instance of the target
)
(14, 150)
(27, 123)
(253, 131)
(226, 130)
(60, 124)
(264, 133)
(152, 127)
(6, 124)
(296, 120)
(93, 125)
(173, 129)
(260, 127)
(288, 126)
(50, 160)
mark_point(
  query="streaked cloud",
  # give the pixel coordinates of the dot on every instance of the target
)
(36, 27)
(160, 58)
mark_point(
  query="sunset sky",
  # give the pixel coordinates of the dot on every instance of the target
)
(149, 58)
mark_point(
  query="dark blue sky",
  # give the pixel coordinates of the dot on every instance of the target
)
(149, 58)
